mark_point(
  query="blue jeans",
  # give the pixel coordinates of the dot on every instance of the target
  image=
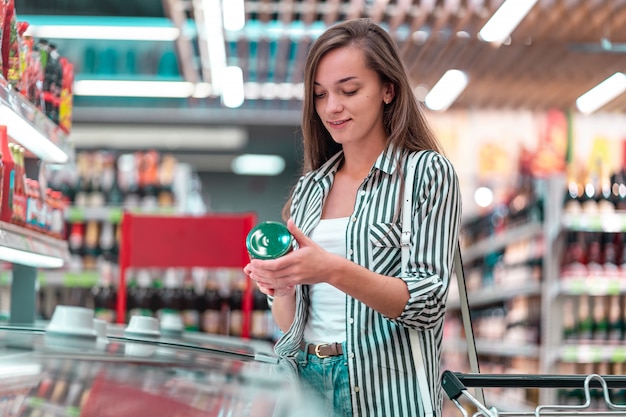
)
(329, 380)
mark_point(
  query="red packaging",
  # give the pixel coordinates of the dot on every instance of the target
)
(8, 177)
(10, 44)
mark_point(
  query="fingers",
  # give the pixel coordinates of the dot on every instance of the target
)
(297, 234)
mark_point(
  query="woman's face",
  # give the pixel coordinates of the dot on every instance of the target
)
(349, 98)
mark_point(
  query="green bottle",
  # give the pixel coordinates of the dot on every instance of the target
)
(269, 240)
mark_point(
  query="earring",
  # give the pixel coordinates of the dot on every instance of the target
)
(386, 101)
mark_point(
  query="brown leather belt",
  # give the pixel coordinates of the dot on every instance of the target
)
(323, 350)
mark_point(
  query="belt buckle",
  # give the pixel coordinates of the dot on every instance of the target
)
(317, 351)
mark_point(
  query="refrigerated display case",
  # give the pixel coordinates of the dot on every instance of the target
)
(44, 372)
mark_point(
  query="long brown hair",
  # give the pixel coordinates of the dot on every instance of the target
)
(404, 122)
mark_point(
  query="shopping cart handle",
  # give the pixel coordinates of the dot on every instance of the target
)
(452, 385)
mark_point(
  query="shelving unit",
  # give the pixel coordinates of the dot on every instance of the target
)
(45, 140)
(544, 352)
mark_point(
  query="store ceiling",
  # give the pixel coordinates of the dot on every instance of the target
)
(559, 51)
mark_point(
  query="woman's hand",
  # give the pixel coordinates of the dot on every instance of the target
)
(309, 264)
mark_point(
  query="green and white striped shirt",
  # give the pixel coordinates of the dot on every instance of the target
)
(382, 373)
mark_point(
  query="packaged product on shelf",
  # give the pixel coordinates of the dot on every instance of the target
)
(66, 97)
(8, 176)
(53, 76)
(19, 192)
(10, 44)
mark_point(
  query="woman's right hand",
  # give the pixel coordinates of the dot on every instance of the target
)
(266, 289)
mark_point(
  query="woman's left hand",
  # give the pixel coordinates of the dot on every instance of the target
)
(309, 264)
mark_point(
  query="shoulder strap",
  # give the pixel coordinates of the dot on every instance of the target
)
(407, 211)
(416, 344)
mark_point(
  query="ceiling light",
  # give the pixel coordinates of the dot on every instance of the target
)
(234, 15)
(483, 197)
(105, 32)
(602, 93)
(505, 20)
(30, 137)
(132, 136)
(446, 90)
(232, 88)
(101, 27)
(251, 164)
(112, 88)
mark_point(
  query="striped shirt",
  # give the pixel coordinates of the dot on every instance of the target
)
(382, 373)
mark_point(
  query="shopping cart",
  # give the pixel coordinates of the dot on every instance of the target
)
(455, 385)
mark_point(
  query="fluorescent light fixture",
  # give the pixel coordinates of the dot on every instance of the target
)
(29, 258)
(252, 164)
(31, 138)
(602, 93)
(113, 88)
(232, 89)
(446, 90)
(505, 20)
(234, 15)
(131, 33)
(132, 136)
(214, 37)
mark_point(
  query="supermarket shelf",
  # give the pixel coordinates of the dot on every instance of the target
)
(600, 222)
(500, 241)
(496, 294)
(44, 247)
(32, 128)
(504, 349)
(596, 285)
(113, 214)
(590, 353)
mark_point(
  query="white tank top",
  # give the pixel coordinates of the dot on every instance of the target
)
(327, 312)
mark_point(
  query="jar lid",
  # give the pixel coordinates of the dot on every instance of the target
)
(269, 240)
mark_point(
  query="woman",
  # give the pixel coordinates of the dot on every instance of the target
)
(346, 311)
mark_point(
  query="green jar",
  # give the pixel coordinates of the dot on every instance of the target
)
(269, 240)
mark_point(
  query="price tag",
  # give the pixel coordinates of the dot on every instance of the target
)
(75, 214)
(570, 354)
(613, 287)
(618, 354)
(115, 215)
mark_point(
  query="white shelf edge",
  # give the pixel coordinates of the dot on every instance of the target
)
(501, 240)
(496, 294)
(504, 349)
(37, 120)
(31, 241)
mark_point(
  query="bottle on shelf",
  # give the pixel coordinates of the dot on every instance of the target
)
(616, 319)
(190, 304)
(92, 249)
(212, 309)
(235, 311)
(105, 295)
(140, 295)
(171, 296)
(107, 242)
